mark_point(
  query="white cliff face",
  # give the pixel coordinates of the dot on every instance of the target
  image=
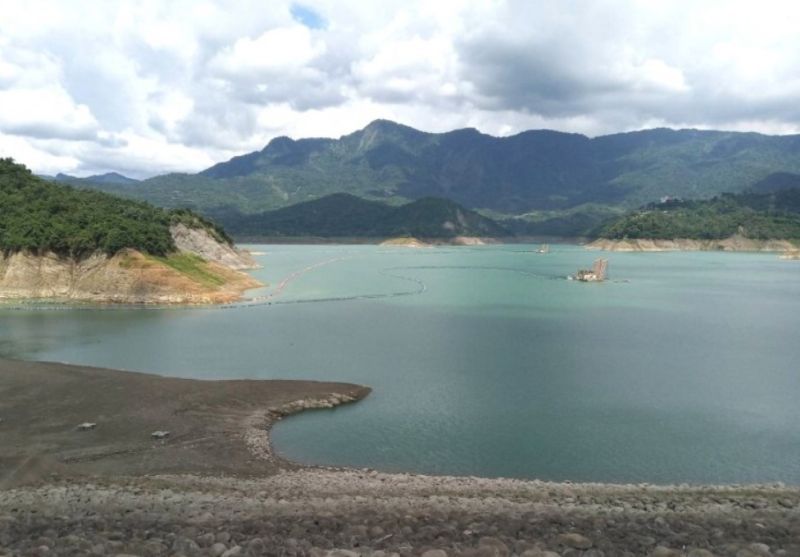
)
(200, 242)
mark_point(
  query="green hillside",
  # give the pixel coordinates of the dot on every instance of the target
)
(533, 171)
(757, 216)
(344, 215)
(39, 216)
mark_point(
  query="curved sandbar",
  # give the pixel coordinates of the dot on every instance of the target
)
(209, 488)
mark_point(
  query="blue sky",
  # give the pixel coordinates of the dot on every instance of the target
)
(307, 16)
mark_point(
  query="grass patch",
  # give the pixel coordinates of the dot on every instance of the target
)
(192, 266)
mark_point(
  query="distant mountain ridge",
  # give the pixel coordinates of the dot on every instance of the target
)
(343, 215)
(529, 171)
(111, 178)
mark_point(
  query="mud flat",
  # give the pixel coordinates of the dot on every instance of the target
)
(214, 486)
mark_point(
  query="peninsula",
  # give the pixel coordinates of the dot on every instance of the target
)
(753, 221)
(62, 244)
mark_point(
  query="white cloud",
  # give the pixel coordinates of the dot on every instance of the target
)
(45, 113)
(273, 52)
(150, 87)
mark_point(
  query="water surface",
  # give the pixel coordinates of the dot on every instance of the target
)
(485, 361)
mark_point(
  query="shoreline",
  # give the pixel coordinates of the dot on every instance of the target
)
(732, 244)
(217, 480)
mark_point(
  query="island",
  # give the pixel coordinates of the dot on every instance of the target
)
(61, 244)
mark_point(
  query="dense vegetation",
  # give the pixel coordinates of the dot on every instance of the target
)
(753, 215)
(531, 171)
(39, 216)
(343, 215)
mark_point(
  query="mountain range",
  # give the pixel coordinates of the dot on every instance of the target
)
(530, 172)
(342, 215)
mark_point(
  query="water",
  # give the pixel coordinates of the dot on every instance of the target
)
(485, 361)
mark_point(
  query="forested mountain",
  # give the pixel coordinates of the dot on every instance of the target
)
(343, 215)
(759, 216)
(39, 216)
(530, 171)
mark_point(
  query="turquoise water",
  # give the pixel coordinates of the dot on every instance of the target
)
(485, 361)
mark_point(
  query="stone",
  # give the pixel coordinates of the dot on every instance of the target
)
(495, 545)
(435, 553)
(342, 553)
(575, 540)
(234, 551)
(256, 546)
(759, 549)
(661, 551)
(700, 553)
(535, 552)
(205, 540)
(218, 549)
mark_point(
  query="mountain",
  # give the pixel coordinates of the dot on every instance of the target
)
(776, 182)
(343, 215)
(756, 216)
(58, 242)
(110, 178)
(532, 171)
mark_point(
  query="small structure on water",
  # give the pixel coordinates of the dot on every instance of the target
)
(597, 273)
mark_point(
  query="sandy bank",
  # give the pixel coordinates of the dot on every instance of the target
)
(405, 243)
(734, 243)
(211, 489)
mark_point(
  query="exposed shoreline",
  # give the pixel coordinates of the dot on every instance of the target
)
(734, 243)
(203, 270)
(217, 480)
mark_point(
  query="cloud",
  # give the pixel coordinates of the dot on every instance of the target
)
(274, 52)
(45, 113)
(161, 86)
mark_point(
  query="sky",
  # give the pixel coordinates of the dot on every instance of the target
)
(150, 87)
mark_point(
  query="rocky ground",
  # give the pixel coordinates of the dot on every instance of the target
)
(338, 513)
(214, 488)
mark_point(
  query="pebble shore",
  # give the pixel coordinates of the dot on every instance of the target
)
(348, 513)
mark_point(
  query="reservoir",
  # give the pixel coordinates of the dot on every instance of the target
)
(683, 367)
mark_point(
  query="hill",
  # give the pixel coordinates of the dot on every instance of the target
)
(343, 215)
(532, 171)
(60, 242)
(752, 216)
(111, 178)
